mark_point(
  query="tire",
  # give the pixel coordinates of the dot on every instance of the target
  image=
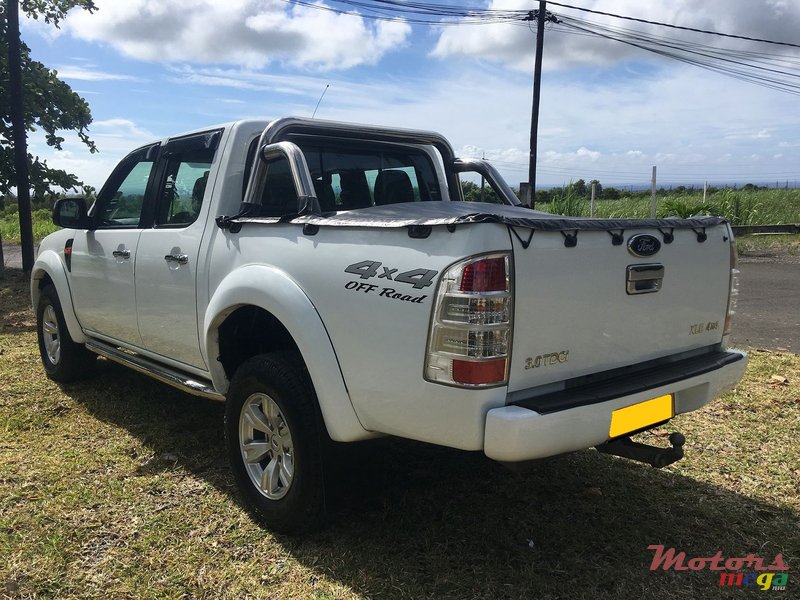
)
(274, 434)
(63, 359)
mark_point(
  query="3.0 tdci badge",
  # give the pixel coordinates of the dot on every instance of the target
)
(643, 245)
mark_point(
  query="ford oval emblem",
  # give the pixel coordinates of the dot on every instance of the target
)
(643, 245)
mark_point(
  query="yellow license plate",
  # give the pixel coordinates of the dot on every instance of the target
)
(631, 418)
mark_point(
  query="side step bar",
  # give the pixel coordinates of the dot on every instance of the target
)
(176, 379)
(655, 457)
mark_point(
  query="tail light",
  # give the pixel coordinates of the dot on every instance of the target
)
(470, 337)
(734, 288)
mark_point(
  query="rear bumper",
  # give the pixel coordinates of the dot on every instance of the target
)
(515, 433)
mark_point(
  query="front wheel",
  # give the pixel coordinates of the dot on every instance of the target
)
(63, 359)
(273, 433)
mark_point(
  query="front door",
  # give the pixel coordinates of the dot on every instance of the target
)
(104, 258)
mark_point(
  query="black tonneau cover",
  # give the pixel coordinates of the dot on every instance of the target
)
(463, 213)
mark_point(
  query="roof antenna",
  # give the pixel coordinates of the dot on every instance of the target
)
(320, 99)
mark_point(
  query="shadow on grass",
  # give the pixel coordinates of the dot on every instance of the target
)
(413, 520)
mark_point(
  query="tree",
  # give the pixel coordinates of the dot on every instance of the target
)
(39, 98)
(472, 193)
(579, 188)
(49, 104)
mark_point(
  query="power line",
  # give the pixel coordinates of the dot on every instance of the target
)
(670, 25)
(419, 13)
(774, 71)
(432, 14)
(718, 60)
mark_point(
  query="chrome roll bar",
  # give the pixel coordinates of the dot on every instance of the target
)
(496, 181)
(274, 144)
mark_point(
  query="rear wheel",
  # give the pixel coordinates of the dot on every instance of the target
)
(274, 434)
(63, 359)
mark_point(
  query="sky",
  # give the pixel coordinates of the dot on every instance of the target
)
(609, 111)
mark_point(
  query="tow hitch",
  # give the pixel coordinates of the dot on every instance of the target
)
(653, 456)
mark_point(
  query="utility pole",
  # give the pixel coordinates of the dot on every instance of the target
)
(19, 134)
(541, 16)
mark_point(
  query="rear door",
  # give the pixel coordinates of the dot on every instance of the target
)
(103, 259)
(167, 261)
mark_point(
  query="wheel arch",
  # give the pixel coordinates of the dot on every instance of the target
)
(281, 310)
(47, 269)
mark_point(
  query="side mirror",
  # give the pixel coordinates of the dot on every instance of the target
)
(71, 213)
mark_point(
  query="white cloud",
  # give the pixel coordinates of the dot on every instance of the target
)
(251, 33)
(584, 152)
(89, 73)
(682, 121)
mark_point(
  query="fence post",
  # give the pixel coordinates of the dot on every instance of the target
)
(591, 205)
(653, 195)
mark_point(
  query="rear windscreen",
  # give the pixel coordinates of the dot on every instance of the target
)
(356, 176)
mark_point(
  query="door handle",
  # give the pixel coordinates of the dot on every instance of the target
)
(644, 279)
(121, 253)
(181, 259)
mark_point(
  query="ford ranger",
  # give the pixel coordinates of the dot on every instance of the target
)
(327, 281)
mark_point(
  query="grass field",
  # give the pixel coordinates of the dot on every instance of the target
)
(9, 224)
(740, 207)
(117, 487)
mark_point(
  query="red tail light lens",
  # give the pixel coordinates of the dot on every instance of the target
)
(486, 275)
(479, 373)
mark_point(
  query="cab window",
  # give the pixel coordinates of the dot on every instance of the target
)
(121, 202)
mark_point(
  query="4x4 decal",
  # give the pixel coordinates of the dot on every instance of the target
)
(419, 278)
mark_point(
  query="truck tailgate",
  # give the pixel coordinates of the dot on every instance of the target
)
(596, 306)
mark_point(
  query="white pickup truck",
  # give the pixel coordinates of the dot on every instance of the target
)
(328, 281)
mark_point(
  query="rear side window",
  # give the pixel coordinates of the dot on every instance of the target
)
(183, 174)
(184, 187)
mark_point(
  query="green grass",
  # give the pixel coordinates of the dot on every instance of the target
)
(740, 207)
(752, 245)
(117, 487)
